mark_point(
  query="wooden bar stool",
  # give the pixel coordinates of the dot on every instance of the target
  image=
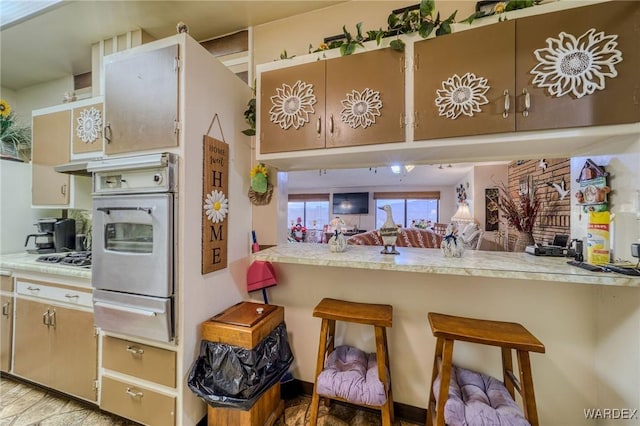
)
(377, 315)
(506, 335)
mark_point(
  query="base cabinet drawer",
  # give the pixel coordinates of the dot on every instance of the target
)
(137, 403)
(142, 361)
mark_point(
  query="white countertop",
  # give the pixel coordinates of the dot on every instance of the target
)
(26, 262)
(474, 263)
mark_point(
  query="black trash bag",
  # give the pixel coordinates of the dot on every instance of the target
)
(233, 377)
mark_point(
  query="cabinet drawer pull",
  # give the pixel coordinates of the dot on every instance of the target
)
(135, 350)
(63, 189)
(134, 394)
(527, 102)
(5, 309)
(72, 296)
(331, 124)
(507, 104)
(107, 132)
(318, 125)
(45, 317)
(33, 288)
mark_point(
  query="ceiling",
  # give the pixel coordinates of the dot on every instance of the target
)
(56, 42)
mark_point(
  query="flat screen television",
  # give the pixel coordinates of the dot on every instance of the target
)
(351, 203)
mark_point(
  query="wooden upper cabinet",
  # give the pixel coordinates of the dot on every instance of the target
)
(292, 102)
(141, 101)
(462, 81)
(365, 99)
(348, 101)
(619, 99)
(50, 147)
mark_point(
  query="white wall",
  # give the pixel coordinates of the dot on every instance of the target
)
(17, 218)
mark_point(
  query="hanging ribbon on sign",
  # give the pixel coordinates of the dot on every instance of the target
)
(215, 200)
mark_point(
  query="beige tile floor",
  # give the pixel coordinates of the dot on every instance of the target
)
(22, 405)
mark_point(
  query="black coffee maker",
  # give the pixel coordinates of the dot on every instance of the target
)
(54, 235)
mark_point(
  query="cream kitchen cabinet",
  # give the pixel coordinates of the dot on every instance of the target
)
(55, 339)
(138, 381)
(141, 100)
(491, 82)
(348, 101)
(52, 133)
(6, 321)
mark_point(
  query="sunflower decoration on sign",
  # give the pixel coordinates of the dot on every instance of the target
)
(216, 206)
(261, 190)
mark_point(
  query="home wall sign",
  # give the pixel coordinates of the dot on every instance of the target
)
(461, 95)
(577, 66)
(215, 208)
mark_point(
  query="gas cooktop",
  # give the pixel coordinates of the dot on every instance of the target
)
(76, 258)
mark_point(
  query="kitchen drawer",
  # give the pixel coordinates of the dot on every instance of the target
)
(138, 360)
(58, 294)
(244, 324)
(137, 403)
(6, 283)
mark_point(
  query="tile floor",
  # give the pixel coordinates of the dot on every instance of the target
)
(22, 405)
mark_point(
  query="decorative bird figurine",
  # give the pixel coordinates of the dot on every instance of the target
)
(338, 242)
(562, 191)
(452, 245)
(542, 164)
(389, 232)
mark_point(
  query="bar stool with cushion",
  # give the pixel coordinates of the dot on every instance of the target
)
(348, 374)
(458, 395)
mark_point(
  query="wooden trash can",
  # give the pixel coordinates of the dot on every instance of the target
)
(245, 325)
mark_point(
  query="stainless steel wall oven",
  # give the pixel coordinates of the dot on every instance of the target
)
(133, 250)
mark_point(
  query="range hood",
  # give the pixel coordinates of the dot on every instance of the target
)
(77, 167)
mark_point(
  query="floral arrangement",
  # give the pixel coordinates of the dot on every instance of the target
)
(500, 8)
(15, 141)
(520, 211)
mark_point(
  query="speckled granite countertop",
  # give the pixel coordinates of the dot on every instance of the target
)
(431, 261)
(26, 262)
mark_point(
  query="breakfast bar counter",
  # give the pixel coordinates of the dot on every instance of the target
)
(473, 263)
(588, 321)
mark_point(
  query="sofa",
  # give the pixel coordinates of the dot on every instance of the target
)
(408, 237)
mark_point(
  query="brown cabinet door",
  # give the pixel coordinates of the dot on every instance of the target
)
(461, 82)
(87, 128)
(365, 99)
(292, 108)
(74, 352)
(6, 332)
(141, 101)
(616, 103)
(32, 352)
(51, 141)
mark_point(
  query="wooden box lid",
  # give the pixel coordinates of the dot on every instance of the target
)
(245, 324)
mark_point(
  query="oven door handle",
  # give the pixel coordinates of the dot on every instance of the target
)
(126, 309)
(107, 210)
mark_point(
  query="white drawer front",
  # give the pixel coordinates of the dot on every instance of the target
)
(63, 295)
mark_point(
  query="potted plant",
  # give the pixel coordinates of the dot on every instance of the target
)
(15, 141)
(520, 212)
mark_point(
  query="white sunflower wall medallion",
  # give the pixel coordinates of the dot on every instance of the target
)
(576, 65)
(461, 95)
(361, 108)
(89, 125)
(216, 206)
(292, 105)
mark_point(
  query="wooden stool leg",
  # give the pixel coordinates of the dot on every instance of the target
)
(322, 346)
(383, 361)
(445, 377)
(507, 369)
(528, 395)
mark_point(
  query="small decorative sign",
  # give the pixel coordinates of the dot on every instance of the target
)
(215, 203)
(594, 189)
